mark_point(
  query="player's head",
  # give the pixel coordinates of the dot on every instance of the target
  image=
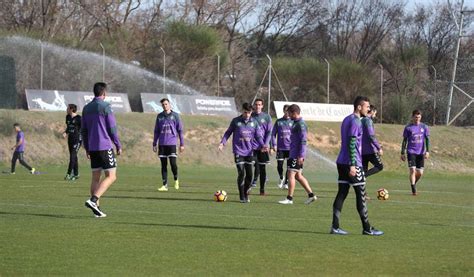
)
(285, 110)
(258, 105)
(100, 89)
(165, 104)
(246, 110)
(294, 111)
(372, 111)
(416, 116)
(71, 108)
(361, 105)
(17, 127)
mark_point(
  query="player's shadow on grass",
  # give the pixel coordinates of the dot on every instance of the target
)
(60, 216)
(219, 227)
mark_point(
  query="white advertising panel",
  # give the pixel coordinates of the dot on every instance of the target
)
(318, 111)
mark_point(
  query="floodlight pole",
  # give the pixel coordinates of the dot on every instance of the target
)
(327, 88)
(434, 97)
(269, 82)
(103, 61)
(218, 73)
(41, 66)
(455, 64)
(381, 93)
(164, 69)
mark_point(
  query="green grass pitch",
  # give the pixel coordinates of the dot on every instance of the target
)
(46, 230)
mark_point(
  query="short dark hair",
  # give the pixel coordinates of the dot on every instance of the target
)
(359, 100)
(294, 109)
(247, 107)
(72, 107)
(99, 89)
(163, 100)
(285, 107)
(372, 108)
(416, 112)
(16, 125)
(259, 99)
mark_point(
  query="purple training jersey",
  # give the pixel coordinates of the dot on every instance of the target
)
(168, 127)
(265, 122)
(244, 133)
(416, 135)
(20, 136)
(281, 133)
(99, 130)
(370, 145)
(298, 139)
(351, 141)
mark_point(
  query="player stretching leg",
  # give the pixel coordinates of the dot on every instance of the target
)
(282, 131)
(168, 127)
(349, 167)
(262, 158)
(99, 132)
(371, 149)
(296, 158)
(244, 130)
(416, 142)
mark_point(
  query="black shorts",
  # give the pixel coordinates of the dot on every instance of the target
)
(293, 165)
(372, 158)
(416, 161)
(344, 177)
(261, 157)
(243, 159)
(166, 151)
(282, 155)
(103, 160)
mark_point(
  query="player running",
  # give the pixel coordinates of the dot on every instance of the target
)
(99, 132)
(416, 142)
(74, 141)
(19, 149)
(245, 130)
(168, 127)
(280, 142)
(349, 167)
(297, 154)
(262, 158)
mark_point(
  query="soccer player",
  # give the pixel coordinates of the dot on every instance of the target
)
(245, 130)
(297, 154)
(416, 142)
(280, 142)
(262, 158)
(19, 149)
(74, 141)
(349, 167)
(168, 127)
(371, 149)
(99, 132)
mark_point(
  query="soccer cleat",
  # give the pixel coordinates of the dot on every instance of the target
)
(338, 231)
(100, 216)
(163, 188)
(311, 200)
(67, 177)
(414, 193)
(33, 170)
(281, 183)
(254, 184)
(176, 184)
(95, 209)
(12, 173)
(285, 186)
(262, 193)
(372, 232)
(244, 201)
(286, 201)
